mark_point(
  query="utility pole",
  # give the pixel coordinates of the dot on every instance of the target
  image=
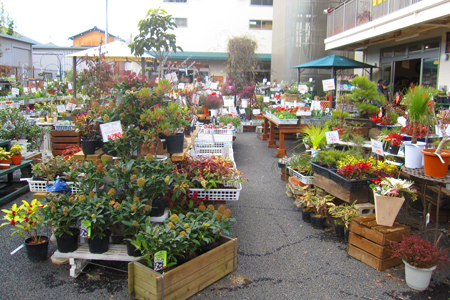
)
(106, 33)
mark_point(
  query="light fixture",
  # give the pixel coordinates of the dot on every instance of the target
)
(407, 37)
(360, 48)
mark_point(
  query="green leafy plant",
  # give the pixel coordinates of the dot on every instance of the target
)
(54, 167)
(183, 235)
(96, 209)
(344, 212)
(61, 213)
(25, 220)
(16, 149)
(417, 100)
(227, 119)
(393, 187)
(316, 135)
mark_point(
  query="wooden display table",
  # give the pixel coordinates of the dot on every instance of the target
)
(25, 168)
(283, 129)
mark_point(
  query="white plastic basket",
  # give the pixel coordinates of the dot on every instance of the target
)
(285, 121)
(304, 179)
(218, 131)
(63, 127)
(207, 148)
(219, 194)
(39, 186)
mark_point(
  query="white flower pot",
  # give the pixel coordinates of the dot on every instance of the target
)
(414, 155)
(214, 112)
(417, 278)
(314, 152)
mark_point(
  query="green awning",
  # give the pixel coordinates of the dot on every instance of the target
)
(334, 61)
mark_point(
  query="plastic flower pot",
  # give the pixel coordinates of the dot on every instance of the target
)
(433, 165)
(175, 143)
(318, 221)
(37, 252)
(16, 159)
(68, 243)
(131, 249)
(214, 112)
(99, 245)
(418, 278)
(5, 163)
(413, 155)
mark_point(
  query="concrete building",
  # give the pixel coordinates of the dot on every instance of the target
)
(299, 31)
(16, 57)
(408, 40)
(204, 27)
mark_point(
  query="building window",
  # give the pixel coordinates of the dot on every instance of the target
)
(183, 1)
(261, 2)
(261, 24)
(181, 22)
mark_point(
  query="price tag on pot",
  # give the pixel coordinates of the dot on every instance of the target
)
(332, 137)
(61, 108)
(160, 260)
(85, 229)
(111, 130)
(377, 147)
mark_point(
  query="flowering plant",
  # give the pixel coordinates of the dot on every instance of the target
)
(395, 139)
(247, 92)
(60, 213)
(96, 209)
(419, 252)
(228, 88)
(392, 187)
(213, 101)
(285, 113)
(25, 219)
(359, 170)
(369, 165)
(131, 214)
(184, 235)
(4, 154)
(422, 131)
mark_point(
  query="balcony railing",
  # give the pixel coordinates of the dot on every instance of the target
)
(353, 13)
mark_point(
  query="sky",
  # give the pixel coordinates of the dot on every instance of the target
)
(56, 20)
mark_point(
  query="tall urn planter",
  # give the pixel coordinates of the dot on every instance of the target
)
(387, 209)
(418, 278)
(433, 165)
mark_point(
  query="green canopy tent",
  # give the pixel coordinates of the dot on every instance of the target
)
(334, 62)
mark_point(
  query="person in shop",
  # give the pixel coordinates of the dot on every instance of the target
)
(383, 89)
(379, 88)
(413, 83)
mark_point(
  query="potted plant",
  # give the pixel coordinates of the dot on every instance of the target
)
(416, 101)
(319, 216)
(25, 221)
(389, 194)
(61, 213)
(395, 140)
(213, 102)
(436, 161)
(16, 156)
(342, 215)
(420, 258)
(306, 202)
(95, 212)
(366, 98)
(291, 91)
(174, 118)
(228, 88)
(247, 93)
(88, 128)
(317, 137)
(5, 159)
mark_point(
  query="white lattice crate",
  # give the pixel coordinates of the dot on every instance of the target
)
(217, 137)
(39, 185)
(224, 149)
(304, 179)
(231, 194)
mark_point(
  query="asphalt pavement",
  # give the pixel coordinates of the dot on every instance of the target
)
(279, 255)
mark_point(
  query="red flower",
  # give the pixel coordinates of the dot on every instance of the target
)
(13, 222)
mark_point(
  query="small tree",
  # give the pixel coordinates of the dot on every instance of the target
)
(154, 36)
(242, 58)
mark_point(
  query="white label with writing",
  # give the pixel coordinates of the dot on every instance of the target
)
(61, 108)
(214, 85)
(377, 147)
(33, 90)
(256, 111)
(15, 91)
(242, 111)
(332, 137)
(266, 99)
(111, 130)
(228, 101)
(328, 84)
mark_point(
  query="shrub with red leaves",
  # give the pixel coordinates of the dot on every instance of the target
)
(419, 253)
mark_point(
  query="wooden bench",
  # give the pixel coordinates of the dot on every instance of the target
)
(80, 258)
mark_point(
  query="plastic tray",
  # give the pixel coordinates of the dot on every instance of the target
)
(304, 179)
(318, 169)
(358, 184)
(39, 186)
(219, 194)
(284, 121)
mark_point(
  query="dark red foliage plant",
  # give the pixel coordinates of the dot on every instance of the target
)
(419, 252)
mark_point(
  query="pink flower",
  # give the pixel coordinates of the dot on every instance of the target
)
(221, 124)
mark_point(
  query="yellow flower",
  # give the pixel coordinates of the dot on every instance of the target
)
(106, 118)
(186, 225)
(227, 213)
(93, 216)
(91, 194)
(218, 216)
(135, 171)
(206, 225)
(66, 210)
(136, 199)
(133, 178)
(146, 208)
(135, 223)
(112, 192)
(174, 218)
(170, 224)
(211, 208)
(133, 207)
(53, 209)
(98, 204)
(183, 233)
(202, 208)
(221, 209)
(166, 180)
(82, 198)
(141, 182)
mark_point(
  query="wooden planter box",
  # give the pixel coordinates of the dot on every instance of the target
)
(335, 189)
(185, 280)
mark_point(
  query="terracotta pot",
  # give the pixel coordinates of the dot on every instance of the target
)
(16, 159)
(387, 209)
(433, 165)
(205, 110)
(6, 163)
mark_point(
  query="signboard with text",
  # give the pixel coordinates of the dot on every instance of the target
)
(111, 130)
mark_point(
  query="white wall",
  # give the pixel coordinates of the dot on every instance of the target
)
(210, 23)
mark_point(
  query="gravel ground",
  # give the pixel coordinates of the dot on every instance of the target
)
(279, 256)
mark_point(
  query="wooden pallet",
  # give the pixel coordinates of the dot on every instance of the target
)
(63, 138)
(81, 257)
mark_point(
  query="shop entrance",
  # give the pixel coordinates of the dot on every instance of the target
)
(405, 72)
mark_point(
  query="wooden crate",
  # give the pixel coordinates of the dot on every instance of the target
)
(369, 246)
(185, 280)
(63, 138)
(370, 260)
(367, 227)
(338, 191)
